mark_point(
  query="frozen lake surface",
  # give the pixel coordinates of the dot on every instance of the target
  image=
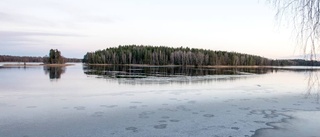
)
(79, 101)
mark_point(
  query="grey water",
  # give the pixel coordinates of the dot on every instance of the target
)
(86, 101)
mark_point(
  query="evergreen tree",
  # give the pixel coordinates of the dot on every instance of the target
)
(154, 55)
(55, 57)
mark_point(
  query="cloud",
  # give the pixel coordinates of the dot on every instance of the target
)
(55, 15)
(6, 34)
(22, 39)
(20, 19)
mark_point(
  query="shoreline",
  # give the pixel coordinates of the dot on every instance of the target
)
(217, 66)
(140, 65)
(33, 65)
(56, 65)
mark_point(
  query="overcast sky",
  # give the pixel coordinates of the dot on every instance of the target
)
(33, 27)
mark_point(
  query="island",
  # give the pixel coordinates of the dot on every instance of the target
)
(141, 55)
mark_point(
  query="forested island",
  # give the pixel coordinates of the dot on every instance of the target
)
(54, 57)
(161, 55)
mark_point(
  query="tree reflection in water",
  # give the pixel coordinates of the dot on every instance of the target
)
(141, 75)
(165, 75)
(313, 89)
(54, 72)
(162, 71)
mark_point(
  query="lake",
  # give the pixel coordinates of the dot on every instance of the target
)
(103, 101)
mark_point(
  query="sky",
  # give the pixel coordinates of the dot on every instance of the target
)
(75, 27)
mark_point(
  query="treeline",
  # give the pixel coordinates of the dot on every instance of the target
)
(134, 54)
(8, 58)
(54, 57)
(161, 55)
(295, 62)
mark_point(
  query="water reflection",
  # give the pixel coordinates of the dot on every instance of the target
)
(313, 89)
(179, 80)
(165, 75)
(118, 70)
(54, 72)
(178, 74)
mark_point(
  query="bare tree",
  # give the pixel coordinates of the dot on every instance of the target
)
(313, 89)
(304, 15)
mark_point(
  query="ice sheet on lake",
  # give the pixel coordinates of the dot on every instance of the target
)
(79, 105)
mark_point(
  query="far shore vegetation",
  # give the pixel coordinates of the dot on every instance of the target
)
(163, 56)
(22, 59)
(55, 59)
(156, 56)
(33, 65)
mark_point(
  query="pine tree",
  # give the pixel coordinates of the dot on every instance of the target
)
(55, 57)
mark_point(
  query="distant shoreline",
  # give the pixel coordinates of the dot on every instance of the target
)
(34, 65)
(134, 65)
